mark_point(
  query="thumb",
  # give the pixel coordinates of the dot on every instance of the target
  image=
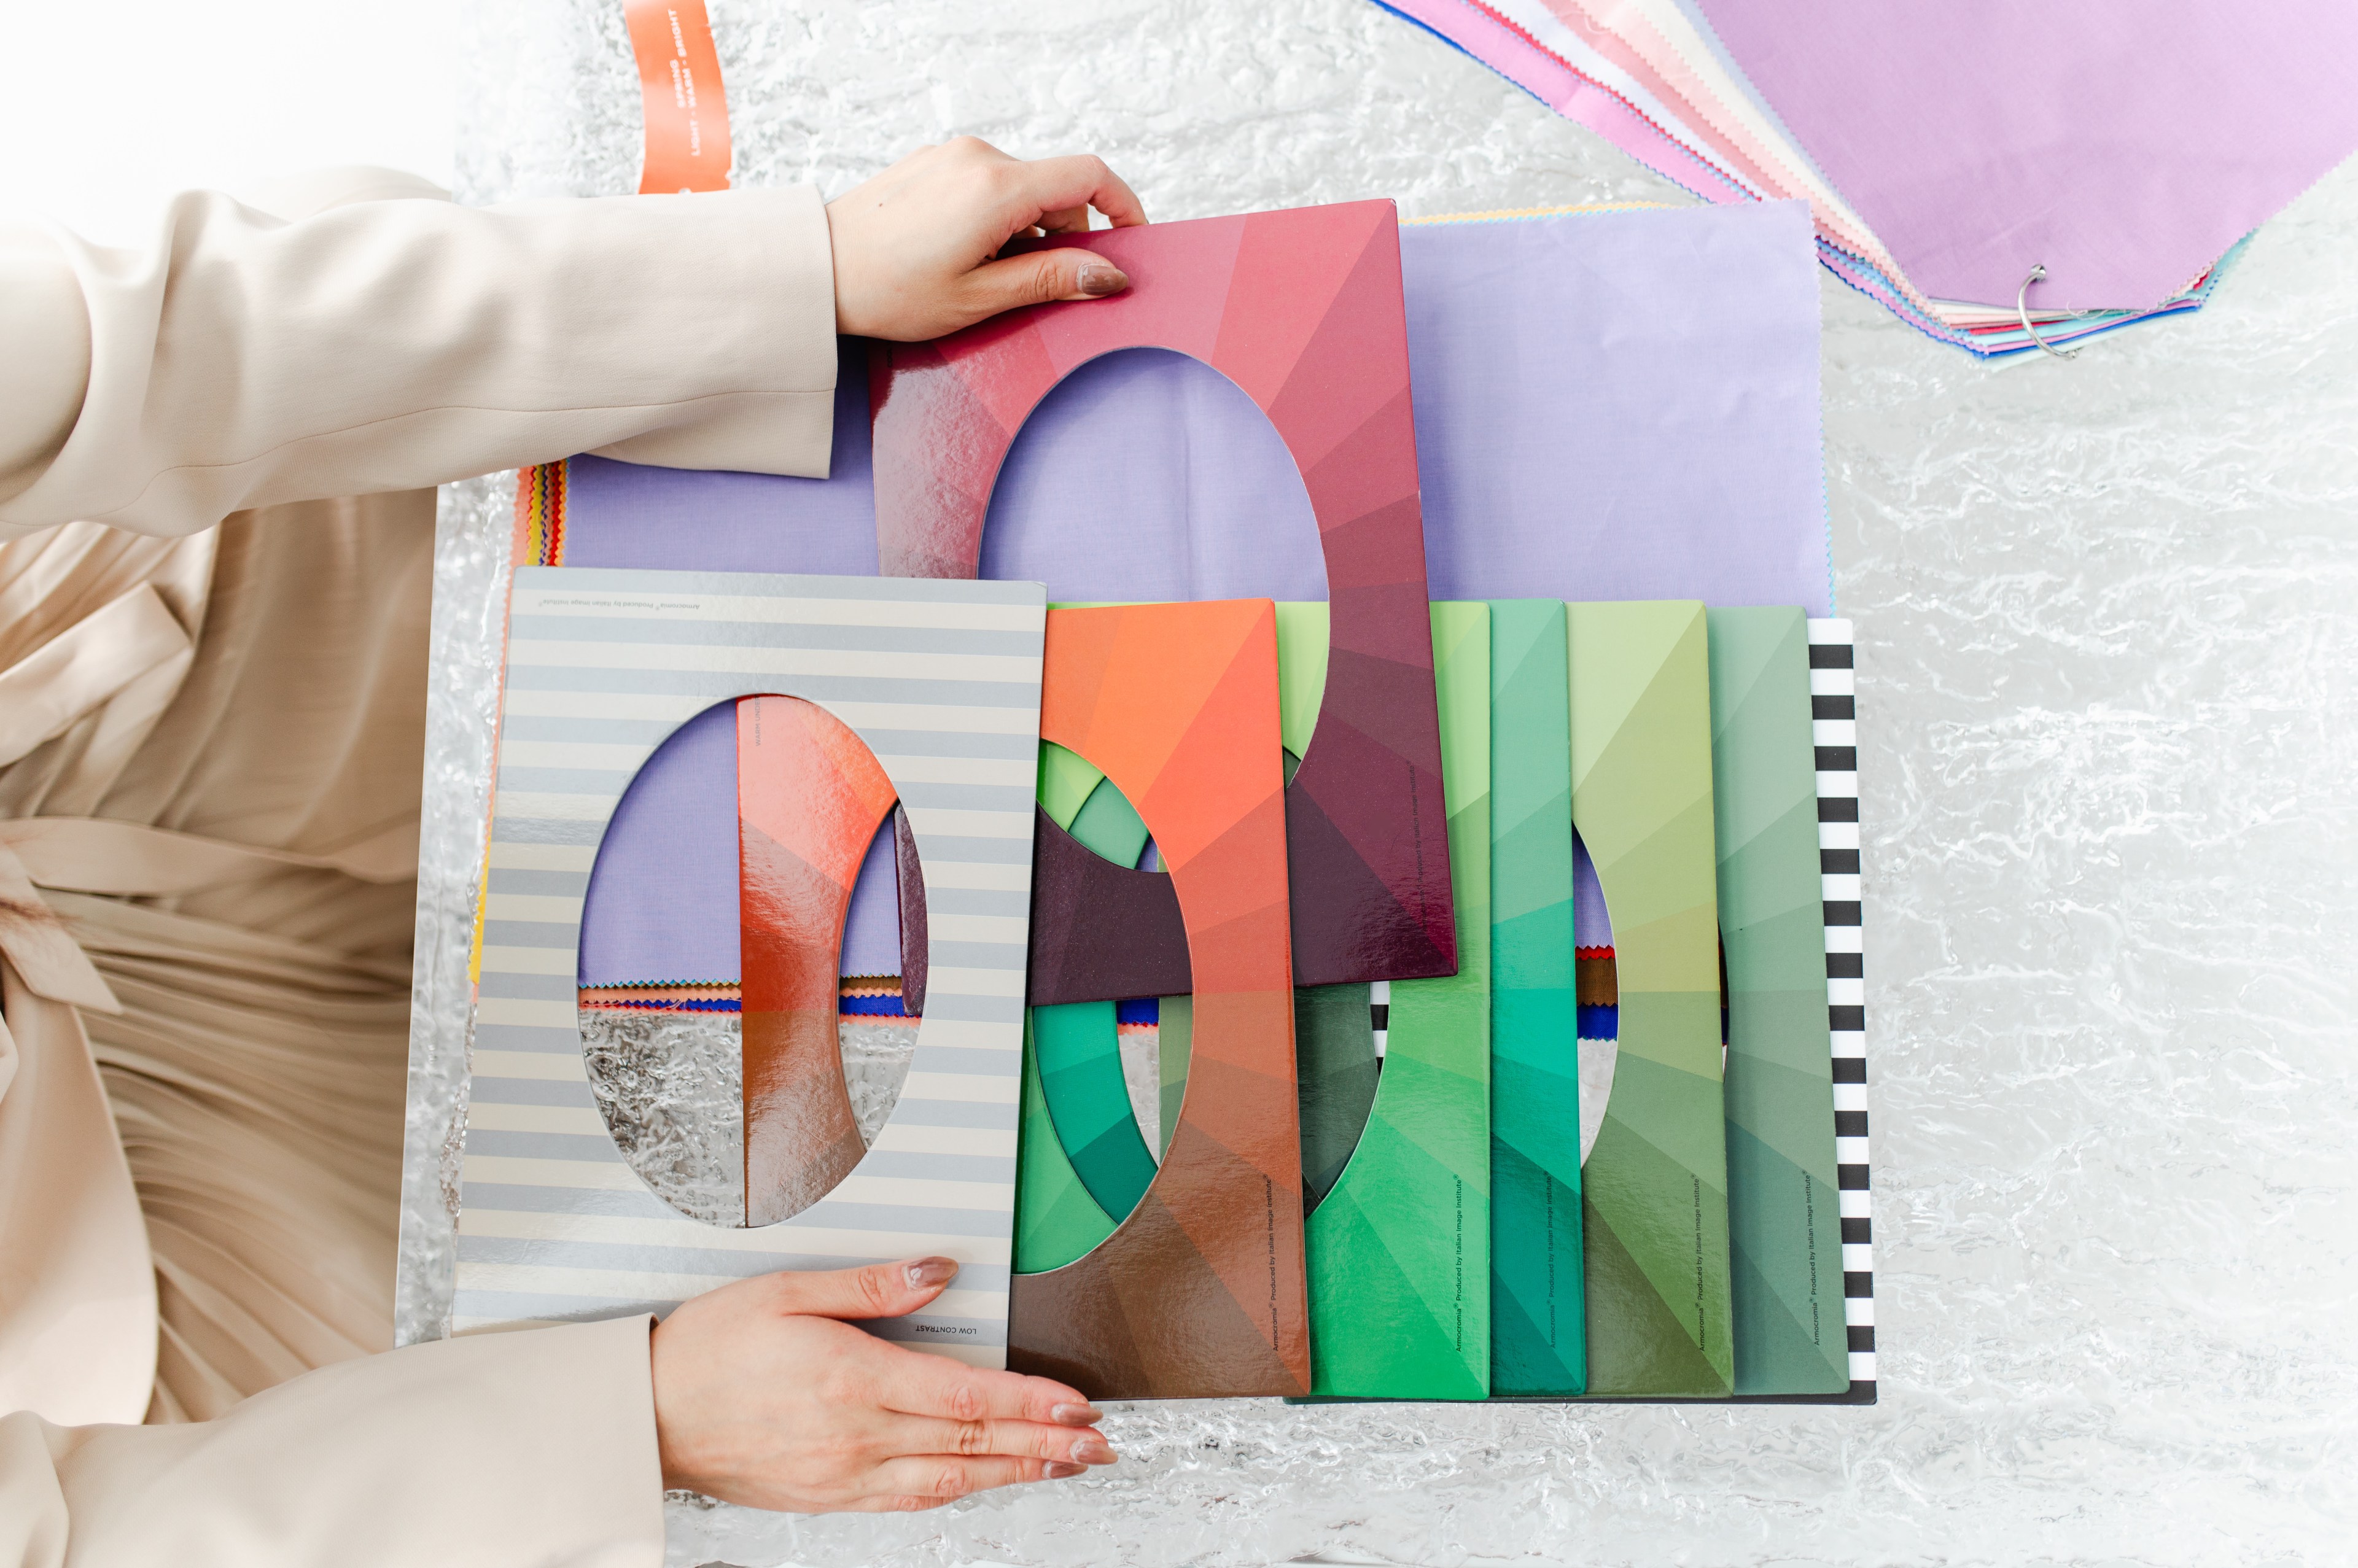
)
(880, 1290)
(1065, 272)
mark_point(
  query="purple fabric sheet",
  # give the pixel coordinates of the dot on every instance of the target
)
(1611, 406)
(662, 904)
(2124, 144)
(1619, 406)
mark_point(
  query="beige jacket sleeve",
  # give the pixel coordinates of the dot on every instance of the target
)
(527, 1450)
(396, 344)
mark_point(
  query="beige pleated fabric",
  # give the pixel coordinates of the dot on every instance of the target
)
(256, 1069)
(210, 750)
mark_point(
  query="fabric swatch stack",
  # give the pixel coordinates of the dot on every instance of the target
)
(1967, 165)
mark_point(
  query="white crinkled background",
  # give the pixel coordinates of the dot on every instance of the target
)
(2108, 627)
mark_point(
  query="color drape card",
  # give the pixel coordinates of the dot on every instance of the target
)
(1399, 1245)
(870, 690)
(1301, 310)
(1198, 1290)
(1783, 1205)
(1539, 1339)
(1654, 1190)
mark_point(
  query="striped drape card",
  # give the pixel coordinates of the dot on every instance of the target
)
(940, 681)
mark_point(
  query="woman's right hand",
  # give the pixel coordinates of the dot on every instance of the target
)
(765, 1396)
(916, 247)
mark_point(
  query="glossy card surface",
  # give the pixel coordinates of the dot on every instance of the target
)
(1400, 1246)
(1303, 310)
(1198, 1290)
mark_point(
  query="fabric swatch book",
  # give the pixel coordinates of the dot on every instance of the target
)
(1990, 198)
(861, 693)
(1155, 1246)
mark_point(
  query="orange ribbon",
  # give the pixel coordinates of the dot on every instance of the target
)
(679, 86)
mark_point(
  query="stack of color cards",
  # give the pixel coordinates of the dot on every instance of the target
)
(1314, 967)
(1980, 169)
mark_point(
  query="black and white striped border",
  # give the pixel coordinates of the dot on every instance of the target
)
(1834, 712)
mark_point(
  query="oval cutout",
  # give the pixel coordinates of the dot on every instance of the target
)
(1222, 514)
(1597, 980)
(741, 840)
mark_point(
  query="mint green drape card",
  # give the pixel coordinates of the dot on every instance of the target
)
(1783, 1209)
(1398, 1248)
(1538, 1335)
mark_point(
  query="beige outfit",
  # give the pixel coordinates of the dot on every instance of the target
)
(210, 756)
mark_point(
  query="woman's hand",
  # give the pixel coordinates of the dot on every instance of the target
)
(764, 1397)
(913, 246)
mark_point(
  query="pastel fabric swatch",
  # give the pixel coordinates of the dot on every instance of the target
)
(2127, 143)
(1661, 82)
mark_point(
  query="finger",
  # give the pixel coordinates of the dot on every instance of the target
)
(1038, 277)
(1054, 184)
(880, 1290)
(937, 1478)
(1016, 1439)
(1071, 221)
(910, 1383)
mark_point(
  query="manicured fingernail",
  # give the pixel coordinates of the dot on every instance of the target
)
(1064, 1472)
(1098, 279)
(1075, 1415)
(928, 1271)
(1093, 1451)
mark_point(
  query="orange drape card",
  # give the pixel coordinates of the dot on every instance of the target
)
(1199, 1292)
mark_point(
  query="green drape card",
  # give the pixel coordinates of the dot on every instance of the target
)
(1783, 1207)
(1398, 1250)
(1538, 1337)
(1654, 1191)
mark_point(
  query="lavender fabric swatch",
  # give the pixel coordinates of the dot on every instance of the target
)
(2124, 144)
(1620, 405)
(1149, 475)
(662, 904)
(623, 514)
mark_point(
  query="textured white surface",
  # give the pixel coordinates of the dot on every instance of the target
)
(2108, 628)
